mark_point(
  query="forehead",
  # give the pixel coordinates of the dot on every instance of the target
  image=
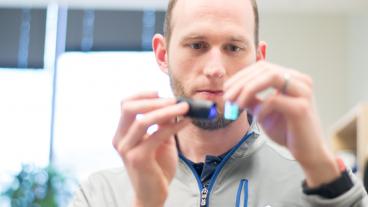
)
(213, 14)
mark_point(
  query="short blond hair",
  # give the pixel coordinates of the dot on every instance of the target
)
(170, 8)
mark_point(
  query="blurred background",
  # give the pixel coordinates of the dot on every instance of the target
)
(65, 66)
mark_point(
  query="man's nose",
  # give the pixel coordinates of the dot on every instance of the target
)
(215, 67)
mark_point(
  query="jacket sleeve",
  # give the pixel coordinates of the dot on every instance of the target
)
(105, 188)
(80, 199)
(355, 197)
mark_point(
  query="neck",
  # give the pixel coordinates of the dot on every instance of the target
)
(196, 143)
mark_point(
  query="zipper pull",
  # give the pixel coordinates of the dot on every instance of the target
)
(204, 193)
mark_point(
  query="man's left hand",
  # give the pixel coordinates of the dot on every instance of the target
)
(288, 116)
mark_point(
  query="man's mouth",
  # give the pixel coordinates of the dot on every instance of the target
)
(210, 94)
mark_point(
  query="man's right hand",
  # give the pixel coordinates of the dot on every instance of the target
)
(150, 159)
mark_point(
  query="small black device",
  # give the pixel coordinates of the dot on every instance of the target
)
(200, 109)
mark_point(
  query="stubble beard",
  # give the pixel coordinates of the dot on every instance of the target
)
(218, 123)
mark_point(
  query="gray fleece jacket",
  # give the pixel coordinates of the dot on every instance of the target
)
(256, 173)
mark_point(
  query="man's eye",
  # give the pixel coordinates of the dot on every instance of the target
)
(233, 48)
(197, 46)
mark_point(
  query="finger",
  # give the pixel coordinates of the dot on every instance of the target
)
(239, 76)
(289, 107)
(282, 70)
(260, 69)
(139, 103)
(271, 80)
(142, 95)
(240, 81)
(293, 113)
(131, 109)
(302, 77)
(126, 107)
(252, 74)
(164, 133)
(139, 127)
(252, 105)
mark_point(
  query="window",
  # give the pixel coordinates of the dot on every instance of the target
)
(90, 88)
(22, 37)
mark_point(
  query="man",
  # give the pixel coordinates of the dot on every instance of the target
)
(211, 51)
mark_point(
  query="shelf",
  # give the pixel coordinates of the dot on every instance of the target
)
(350, 133)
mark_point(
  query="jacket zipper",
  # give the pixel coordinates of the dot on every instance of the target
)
(205, 190)
(204, 193)
(199, 182)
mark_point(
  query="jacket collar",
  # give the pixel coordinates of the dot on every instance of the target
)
(251, 144)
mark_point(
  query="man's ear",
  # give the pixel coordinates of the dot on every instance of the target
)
(160, 50)
(261, 51)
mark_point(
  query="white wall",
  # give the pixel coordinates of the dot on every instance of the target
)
(332, 48)
(357, 70)
(315, 44)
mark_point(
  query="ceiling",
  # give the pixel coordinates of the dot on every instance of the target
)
(331, 6)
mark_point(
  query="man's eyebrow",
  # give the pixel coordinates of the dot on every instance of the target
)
(194, 37)
(238, 39)
(235, 38)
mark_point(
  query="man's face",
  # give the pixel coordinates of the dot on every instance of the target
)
(211, 40)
